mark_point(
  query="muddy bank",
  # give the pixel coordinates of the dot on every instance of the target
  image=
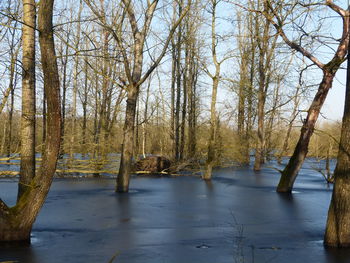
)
(236, 218)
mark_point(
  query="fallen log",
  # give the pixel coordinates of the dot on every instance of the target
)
(153, 164)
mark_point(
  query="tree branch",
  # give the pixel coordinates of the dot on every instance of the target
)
(336, 8)
(165, 47)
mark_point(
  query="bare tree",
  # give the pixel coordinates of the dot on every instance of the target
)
(266, 44)
(16, 222)
(214, 121)
(329, 70)
(133, 60)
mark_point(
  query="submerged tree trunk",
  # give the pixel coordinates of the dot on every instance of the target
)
(266, 44)
(290, 172)
(329, 70)
(212, 147)
(128, 142)
(338, 225)
(16, 222)
(27, 169)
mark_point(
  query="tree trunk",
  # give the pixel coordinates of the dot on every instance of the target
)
(16, 222)
(84, 105)
(128, 142)
(259, 151)
(178, 97)
(183, 114)
(97, 120)
(9, 134)
(294, 114)
(338, 225)
(173, 83)
(64, 62)
(212, 144)
(103, 118)
(192, 82)
(269, 147)
(245, 49)
(145, 120)
(266, 51)
(243, 140)
(27, 170)
(136, 131)
(212, 152)
(44, 122)
(290, 172)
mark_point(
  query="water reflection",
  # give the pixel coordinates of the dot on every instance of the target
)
(338, 255)
(209, 185)
(18, 253)
(287, 198)
(125, 207)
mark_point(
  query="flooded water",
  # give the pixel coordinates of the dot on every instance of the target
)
(238, 217)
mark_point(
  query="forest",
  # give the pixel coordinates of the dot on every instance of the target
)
(134, 98)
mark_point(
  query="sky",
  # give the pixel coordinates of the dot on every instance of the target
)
(334, 105)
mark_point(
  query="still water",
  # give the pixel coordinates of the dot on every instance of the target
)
(238, 217)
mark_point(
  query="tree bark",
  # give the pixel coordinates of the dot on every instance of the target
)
(128, 143)
(27, 169)
(16, 222)
(338, 225)
(212, 152)
(291, 171)
(242, 100)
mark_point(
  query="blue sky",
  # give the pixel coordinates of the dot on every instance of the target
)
(334, 105)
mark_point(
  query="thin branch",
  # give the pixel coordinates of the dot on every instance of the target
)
(165, 47)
